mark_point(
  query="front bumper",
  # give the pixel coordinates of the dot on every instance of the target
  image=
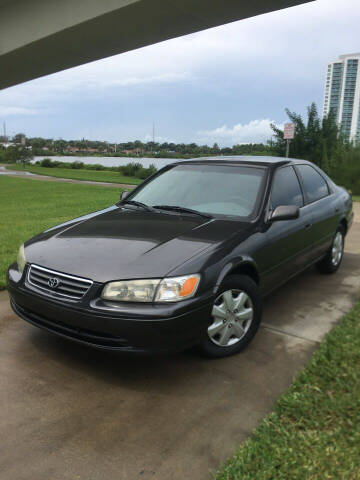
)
(153, 329)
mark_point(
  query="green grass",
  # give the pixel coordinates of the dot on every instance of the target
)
(314, 430)
(356, 198)
(28, 207)
(81, 174)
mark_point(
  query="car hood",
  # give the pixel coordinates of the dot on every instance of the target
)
(119, 243)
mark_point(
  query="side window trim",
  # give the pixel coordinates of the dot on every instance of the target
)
(301, 186)
(305, 196)
(270, 208)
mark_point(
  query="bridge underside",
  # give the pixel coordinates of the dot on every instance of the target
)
(39, 37)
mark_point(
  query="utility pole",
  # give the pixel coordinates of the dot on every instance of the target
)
(5, 138)
(153, 137)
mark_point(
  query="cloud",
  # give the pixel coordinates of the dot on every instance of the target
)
(90, 78)
(170, 77)
(253, 132)
(208, 86)
(10, 110)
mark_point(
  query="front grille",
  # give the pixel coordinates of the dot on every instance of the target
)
(58, 284)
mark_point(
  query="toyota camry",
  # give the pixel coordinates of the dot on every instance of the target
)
(185, 258)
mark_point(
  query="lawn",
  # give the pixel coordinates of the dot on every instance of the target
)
(28, 207)
(314, 430)
(356, 198)
(81, 174)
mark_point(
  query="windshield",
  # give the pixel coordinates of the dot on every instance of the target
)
(214, 189)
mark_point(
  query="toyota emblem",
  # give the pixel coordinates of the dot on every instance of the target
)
(53, 282)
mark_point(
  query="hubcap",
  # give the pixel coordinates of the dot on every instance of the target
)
(232, 315)
(337, 249)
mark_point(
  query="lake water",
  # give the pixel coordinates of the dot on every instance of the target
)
(113, 161)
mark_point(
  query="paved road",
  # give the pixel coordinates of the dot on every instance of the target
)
(73, 413)
(33, 176)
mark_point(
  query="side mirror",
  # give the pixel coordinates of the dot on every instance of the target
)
(124, 194)
(288, 212)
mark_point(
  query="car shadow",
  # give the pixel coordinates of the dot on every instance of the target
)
(133, 370)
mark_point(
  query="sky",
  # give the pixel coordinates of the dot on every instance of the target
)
(224, 85)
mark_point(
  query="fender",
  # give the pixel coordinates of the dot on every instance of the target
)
(235, 263)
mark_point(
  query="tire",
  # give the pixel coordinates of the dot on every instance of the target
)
(332, 261)
(238, 309)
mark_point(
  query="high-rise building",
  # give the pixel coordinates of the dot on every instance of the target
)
(342, 94)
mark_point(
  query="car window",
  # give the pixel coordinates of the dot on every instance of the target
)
(214, 189)
(286, 189)
(314, 184)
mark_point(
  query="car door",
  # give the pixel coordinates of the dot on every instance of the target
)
(322, 205)
(289, 241)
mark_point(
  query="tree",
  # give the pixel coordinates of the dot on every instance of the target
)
(38, 142)
(215, 148)
(315, 139)
(17, 154)
(19, 138)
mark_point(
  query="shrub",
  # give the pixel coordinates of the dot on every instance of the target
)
(152, 169)
(145, 172)
(346, 174)
(77, 165)
(131, 169)
(97, 166)
(46, 162)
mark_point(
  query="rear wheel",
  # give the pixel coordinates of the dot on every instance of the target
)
(235, 317)
(331, 262)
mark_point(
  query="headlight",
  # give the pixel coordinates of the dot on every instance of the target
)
(21, 260)
(131, 291)
(154, 290)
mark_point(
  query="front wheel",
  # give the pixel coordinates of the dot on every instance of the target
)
(235, 317)
(331, 262)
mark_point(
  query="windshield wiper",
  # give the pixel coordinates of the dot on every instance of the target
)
(182, 209)
(138, 204)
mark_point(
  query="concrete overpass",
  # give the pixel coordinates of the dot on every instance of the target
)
(39, 37)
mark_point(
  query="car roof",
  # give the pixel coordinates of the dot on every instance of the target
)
(263, 161)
